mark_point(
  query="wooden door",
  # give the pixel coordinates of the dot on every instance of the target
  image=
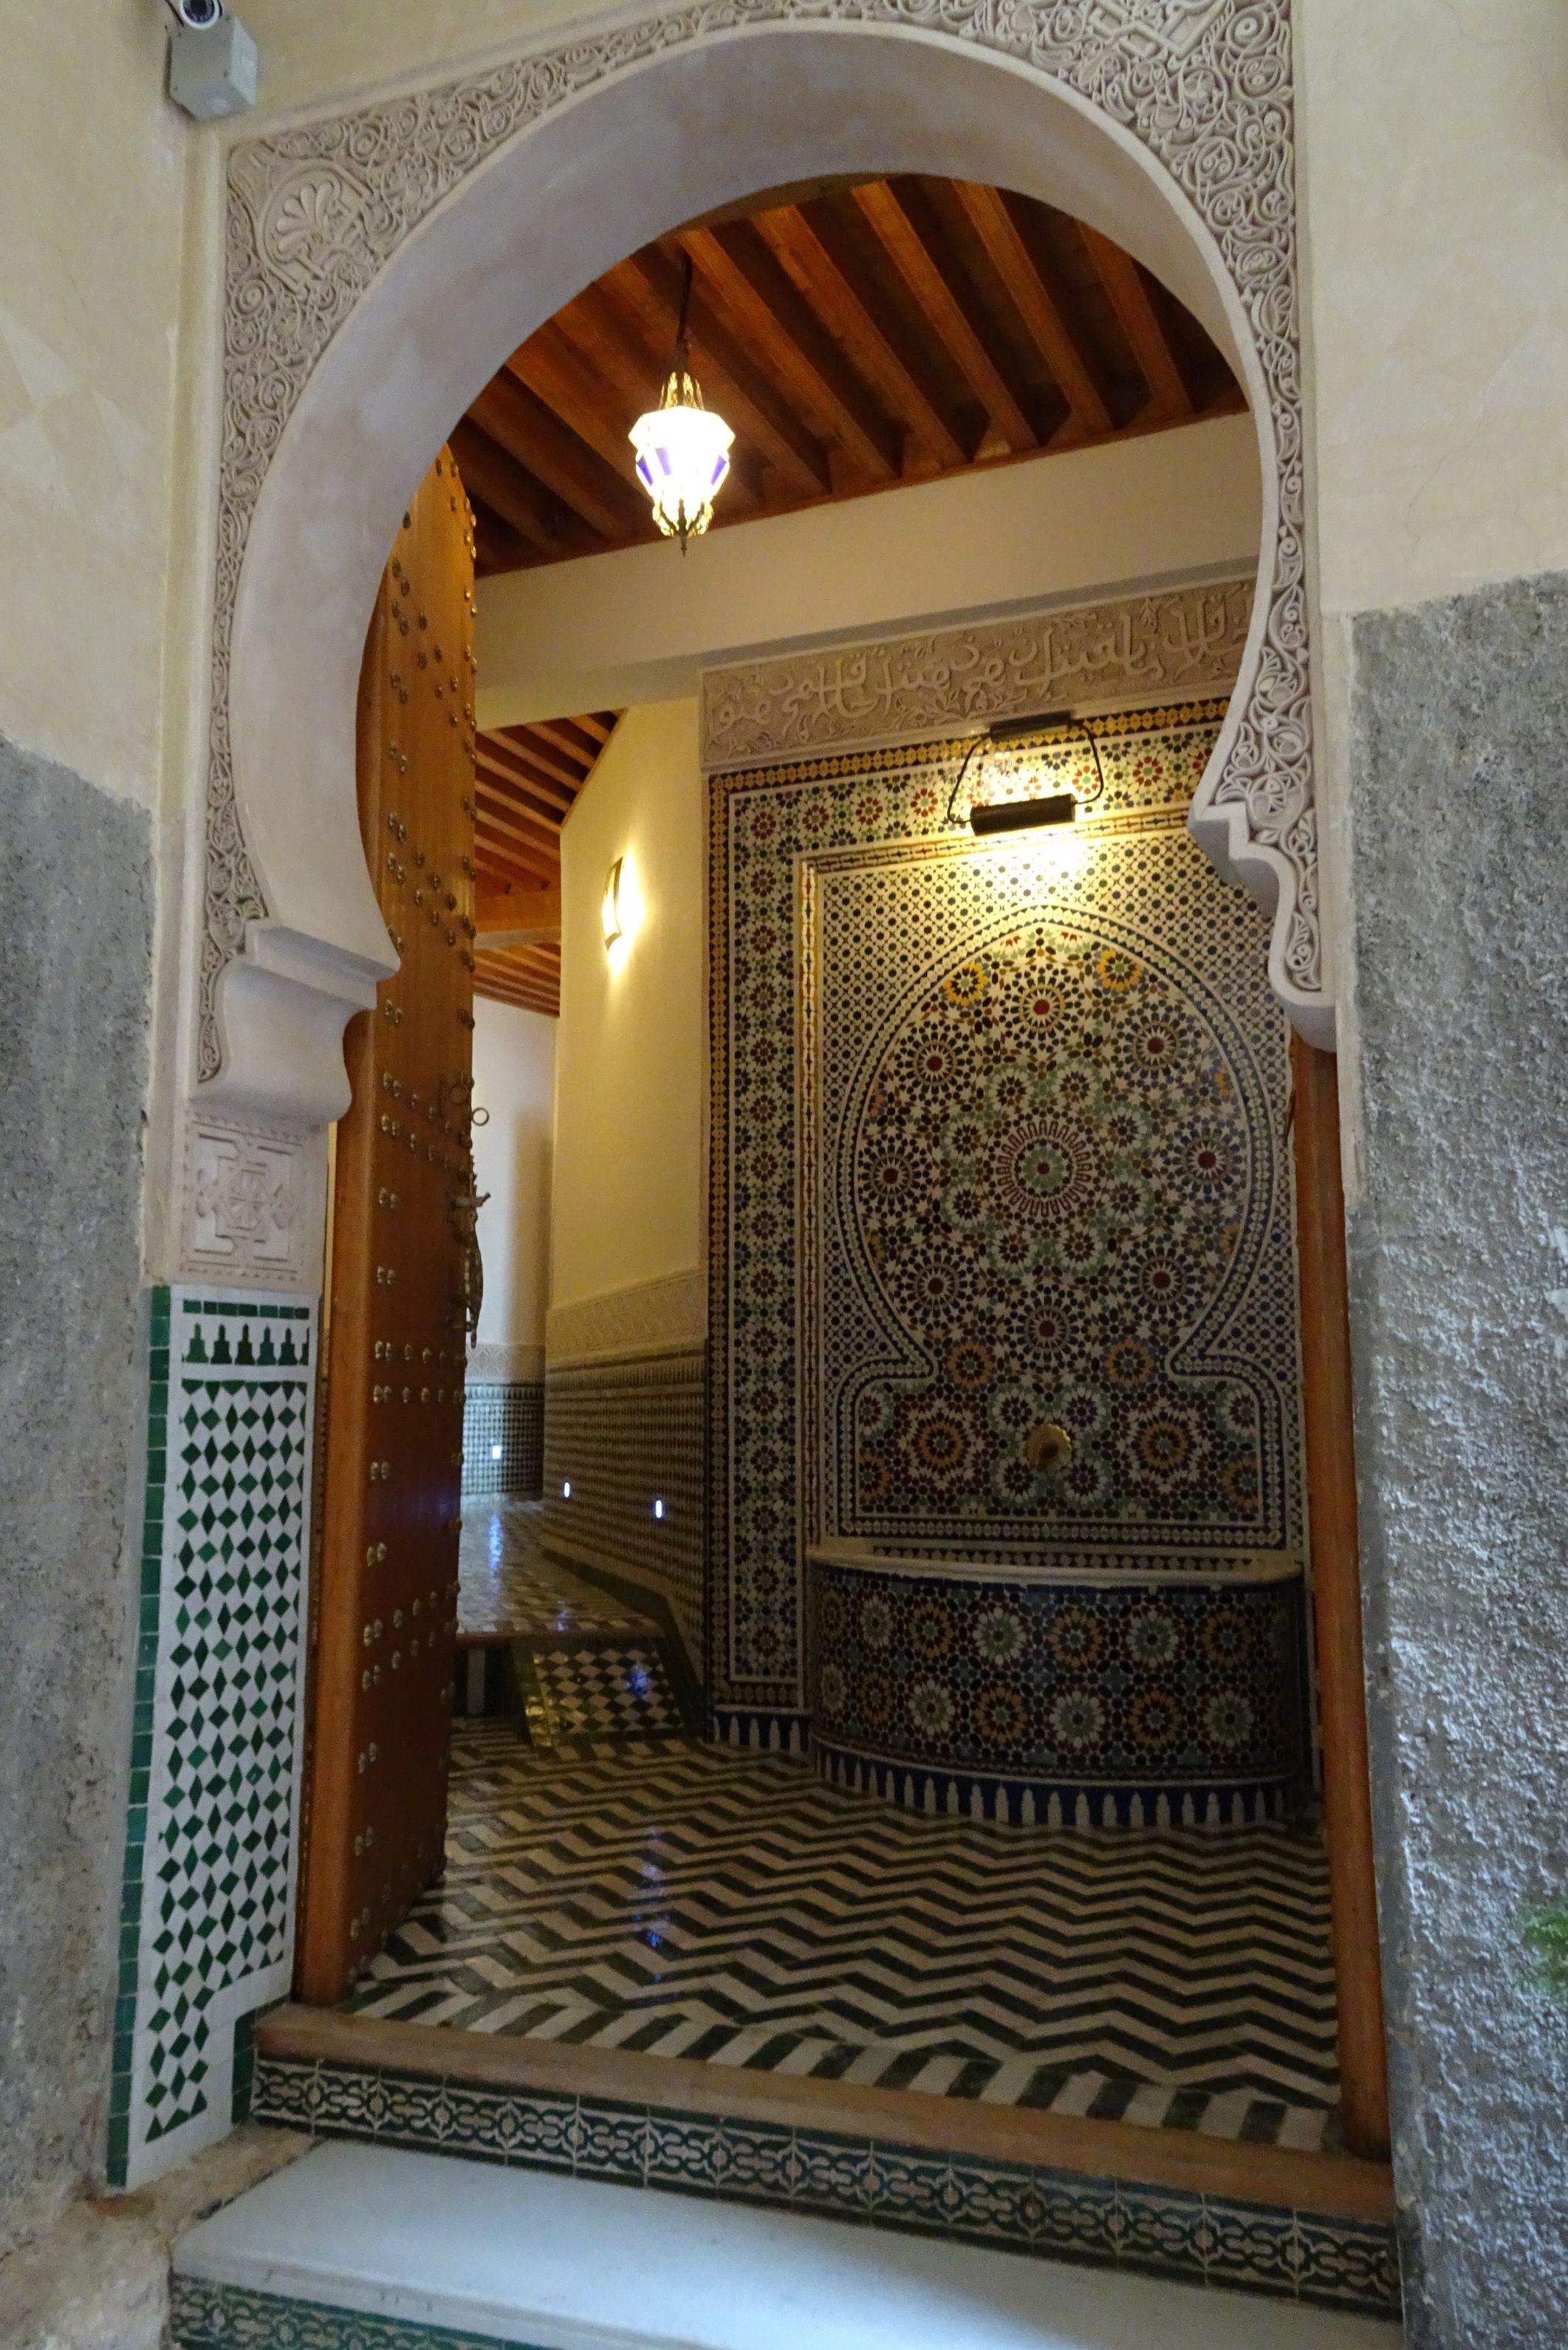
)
(396, 1333)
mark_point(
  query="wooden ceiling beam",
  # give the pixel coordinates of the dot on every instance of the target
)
(490, 475)
(556, 372)
(1128, 297)
(500, 909)
(496, 544)
(519, 740)
(600, 728)
(755, 291)
(946, 311)
(651, 284)
(503, 866)
(510, 818)
(559, 740)
(504, 765)
(996, 220)
(823, 281)
(529, 431)
(536, 835)
(522, 995)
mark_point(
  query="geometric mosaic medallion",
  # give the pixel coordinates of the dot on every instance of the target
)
(207, 1909)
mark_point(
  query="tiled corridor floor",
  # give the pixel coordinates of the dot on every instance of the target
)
(691, 1902)
(508, 1585)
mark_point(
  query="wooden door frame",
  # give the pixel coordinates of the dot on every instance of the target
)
(1330, 1446)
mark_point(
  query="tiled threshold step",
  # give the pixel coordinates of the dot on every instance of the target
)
(362, 2248)
(1164, 2203)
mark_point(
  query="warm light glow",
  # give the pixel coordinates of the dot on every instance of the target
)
(682, 457)
(611, 909)
(621, 911)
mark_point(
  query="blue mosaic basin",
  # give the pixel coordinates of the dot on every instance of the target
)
(1030, 1695)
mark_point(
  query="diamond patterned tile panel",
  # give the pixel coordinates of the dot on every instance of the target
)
(207, 1920)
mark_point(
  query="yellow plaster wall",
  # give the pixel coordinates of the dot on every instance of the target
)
(513, 1081)
(631, 1074)
(93, 183)
(310, 52)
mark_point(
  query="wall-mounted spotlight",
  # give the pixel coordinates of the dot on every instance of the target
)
(1019, 816)
(614, 927)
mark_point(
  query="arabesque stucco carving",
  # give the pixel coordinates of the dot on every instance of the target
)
(314, 211)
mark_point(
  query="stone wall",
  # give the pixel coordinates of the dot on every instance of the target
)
(75, 968)
(1458, 1236)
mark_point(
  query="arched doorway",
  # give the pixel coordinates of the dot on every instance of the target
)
(382, 265)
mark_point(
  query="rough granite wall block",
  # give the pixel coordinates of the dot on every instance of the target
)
(76, 928)
(1459, 1300)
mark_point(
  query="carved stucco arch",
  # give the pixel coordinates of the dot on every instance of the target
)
(381, 263)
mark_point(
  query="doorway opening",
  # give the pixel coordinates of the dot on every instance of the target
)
(883, 1661)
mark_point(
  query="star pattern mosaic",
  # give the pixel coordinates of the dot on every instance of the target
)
(1002, 1107)
(1143, 1706)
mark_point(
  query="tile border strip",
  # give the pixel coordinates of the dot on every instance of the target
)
(204, 2316)
(1324, 2259)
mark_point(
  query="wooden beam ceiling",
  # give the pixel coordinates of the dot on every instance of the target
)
(856, 336)
(526, 779)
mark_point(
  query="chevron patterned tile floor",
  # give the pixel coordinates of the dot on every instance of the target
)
(690, 1902)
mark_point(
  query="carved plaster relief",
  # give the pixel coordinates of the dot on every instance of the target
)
(1175, 645)
(315, 211)
(649, 1317)
(253, 1201)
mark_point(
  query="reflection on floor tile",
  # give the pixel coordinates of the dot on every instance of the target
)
(691, 1902)
(508, 1585)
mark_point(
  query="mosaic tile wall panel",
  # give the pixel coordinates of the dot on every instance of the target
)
(855, 919)
(509, 1413)
(1047, 1181)
(628, 1437)
(1171, 1703)
(207, 1911)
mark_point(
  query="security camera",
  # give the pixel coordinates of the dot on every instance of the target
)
(211, 60)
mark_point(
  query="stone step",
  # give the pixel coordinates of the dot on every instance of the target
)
(365, 2248)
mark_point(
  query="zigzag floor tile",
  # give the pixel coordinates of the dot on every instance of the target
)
(690, 1902)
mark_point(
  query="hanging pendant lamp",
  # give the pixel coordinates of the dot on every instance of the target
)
(683, 448)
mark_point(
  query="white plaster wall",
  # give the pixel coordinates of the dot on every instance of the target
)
(514, 1079)
(611, 629)
(1434, 140)
(631, 1074)
(92, 170)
